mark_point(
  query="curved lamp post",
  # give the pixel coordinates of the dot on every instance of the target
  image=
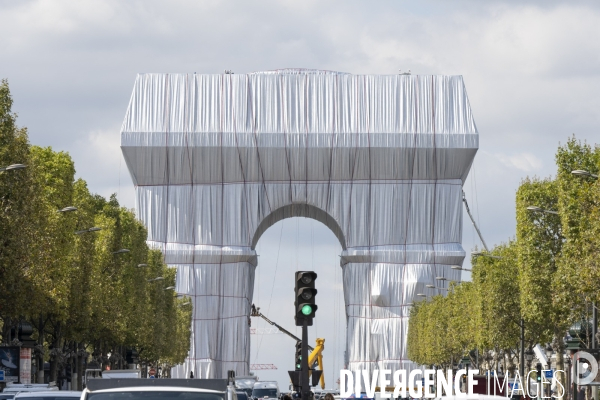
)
(121, 251)
(92, 229)
(458, 267)
(581, 172)
(13, 167)
(484, 254)
(541, 210)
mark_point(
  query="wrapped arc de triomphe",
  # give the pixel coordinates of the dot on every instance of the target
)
(379, 159)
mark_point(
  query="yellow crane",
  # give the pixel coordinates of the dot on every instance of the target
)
(315, 358)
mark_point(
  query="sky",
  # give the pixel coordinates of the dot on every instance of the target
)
(531, 70)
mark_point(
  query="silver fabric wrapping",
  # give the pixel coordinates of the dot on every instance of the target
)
(380, 160)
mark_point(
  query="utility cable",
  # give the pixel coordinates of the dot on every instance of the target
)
(464, 198)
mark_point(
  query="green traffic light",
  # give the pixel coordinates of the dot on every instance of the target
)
(306, 309)
(298, 366)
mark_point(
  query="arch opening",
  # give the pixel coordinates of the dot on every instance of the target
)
(292, 244)
(299, 210)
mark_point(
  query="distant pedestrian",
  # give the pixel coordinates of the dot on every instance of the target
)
(191, 374)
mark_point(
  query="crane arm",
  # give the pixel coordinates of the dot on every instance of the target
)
(316, 355)
(255, 312)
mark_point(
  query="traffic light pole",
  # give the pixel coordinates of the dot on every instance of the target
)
(304, 372)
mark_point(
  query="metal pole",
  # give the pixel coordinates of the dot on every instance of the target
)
(522, 363)
(594, 342)
(574, 378)
(305, 387)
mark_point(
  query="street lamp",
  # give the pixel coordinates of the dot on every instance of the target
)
(158, 278)
(529, 358)
(541, 210)
(484, 254)
(458, 267)
(13, 167)
(121, 251)
(67, 209)
(169, 288)
(92, 229)
(581, 172)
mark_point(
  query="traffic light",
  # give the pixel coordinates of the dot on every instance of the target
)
(131, 356)
(23, 333)
(298, 364)
(305, 297)
(538, 367)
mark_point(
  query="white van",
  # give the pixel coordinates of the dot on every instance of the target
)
(265, 390)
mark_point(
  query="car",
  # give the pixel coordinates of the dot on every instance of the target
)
(49, 395)
(241, 395)
(6, 396)
(159, 389)
(14, 388)
(265, 390)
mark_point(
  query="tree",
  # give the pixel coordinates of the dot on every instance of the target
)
(17, 198)
(79, 290)
(497, 284)
(579, 203)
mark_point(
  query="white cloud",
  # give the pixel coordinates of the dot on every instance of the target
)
(525, 162)
(98, 160)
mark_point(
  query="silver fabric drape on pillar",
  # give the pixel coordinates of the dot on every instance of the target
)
(217, 159)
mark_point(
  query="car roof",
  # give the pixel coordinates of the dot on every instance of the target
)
(155, 389)
(48, 393)
(28, 389)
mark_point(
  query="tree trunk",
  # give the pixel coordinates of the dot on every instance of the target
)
(54, 361)
(40, 357)
(559, 347)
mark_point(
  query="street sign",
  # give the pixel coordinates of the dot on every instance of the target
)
(549, 373)
(1, 375)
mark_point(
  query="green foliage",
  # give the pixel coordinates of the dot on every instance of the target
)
(539, 242)
(442, 329)
(547, 277)
(498, 297)
(75, 288)
(578, 274)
